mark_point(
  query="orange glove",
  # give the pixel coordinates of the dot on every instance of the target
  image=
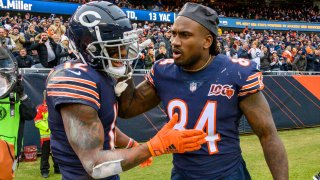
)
(169, 140)
(147, 162)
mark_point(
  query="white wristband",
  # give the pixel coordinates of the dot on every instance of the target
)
(130, 143)
(24, 97)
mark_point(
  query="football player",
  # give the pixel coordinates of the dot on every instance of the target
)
(210, 92)
(82, 104)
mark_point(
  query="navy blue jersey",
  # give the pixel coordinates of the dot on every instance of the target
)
(78, 83)
(208, 100)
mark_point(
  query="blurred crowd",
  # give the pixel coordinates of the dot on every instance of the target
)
(274, 51)
(38, 41)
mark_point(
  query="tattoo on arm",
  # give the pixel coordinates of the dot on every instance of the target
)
(86, 136)
(83, 132)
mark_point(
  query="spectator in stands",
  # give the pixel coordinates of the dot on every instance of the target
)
(162, 52)
(234, 51)
(281, 49)
(270, 45)
(150, 58)
(317, 60)
(42, 27)
(300, 61)
(58, 27)
(265, 59)
(56, 38)
(46, 50)
(255, 53)
(311, 58)
(18, 39)
(166, 40)
(63, 52)
(243, 51)
(5, 41)
(275, 63)
(24, 60)
(50, 32)
(226, 51)
(30, 35)
(283, 66)
(66, 24)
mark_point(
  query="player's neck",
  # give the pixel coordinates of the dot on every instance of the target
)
(201, 67)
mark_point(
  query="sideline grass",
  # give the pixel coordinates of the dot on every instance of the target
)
(302, 145)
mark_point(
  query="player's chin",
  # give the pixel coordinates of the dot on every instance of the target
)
(178, 60)
(117, 64)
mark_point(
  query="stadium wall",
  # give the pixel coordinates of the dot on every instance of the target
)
(294, 102)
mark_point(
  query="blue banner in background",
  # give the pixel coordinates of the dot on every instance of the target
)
(53, 7)
(39, 6)
(155, 16)
(266, 25)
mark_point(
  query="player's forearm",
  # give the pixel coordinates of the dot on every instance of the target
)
(121, 139)
(129, 157)
(257, 111)
(125, 158)
(137, 100)
(275, 156)
(85, 134)
(126, 98)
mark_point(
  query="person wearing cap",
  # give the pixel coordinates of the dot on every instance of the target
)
(243, 51)
(265, 59)
(166, 40)
(63, 52)
(300, 61)
(161, 53)
(43, 26)
(281, 49)
(209, 91)
(275, 63)
(58, 27)
(270, 45)
(283, 64)
(18, 39)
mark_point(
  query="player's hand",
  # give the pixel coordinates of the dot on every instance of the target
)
(147, 162)
(169, 140)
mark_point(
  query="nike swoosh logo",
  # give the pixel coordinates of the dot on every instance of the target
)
(76, 73)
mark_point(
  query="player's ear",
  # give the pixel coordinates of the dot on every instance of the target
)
(208, 40)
